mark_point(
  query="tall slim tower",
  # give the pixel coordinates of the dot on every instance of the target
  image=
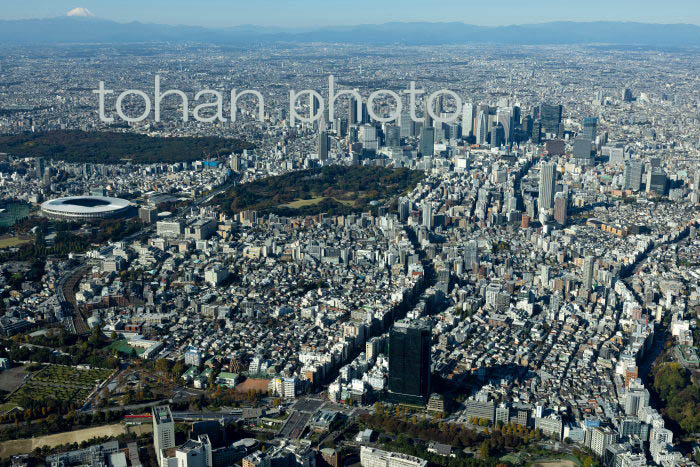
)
(588, 263)
(590, 128)
(633, 175)
(482, 128)
(163, 429)
(428, 215)
(409, 362)
(323, 143)
(40, 164)
(560, 208)
(406, 124)
(404, 209)
(547, 185)
(236, 162)
(352, 120)
(314, 106)
(427, 118)
(468, 112)
(427, 141)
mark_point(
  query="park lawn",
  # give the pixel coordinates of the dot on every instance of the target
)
(300, 203)
(9, 242)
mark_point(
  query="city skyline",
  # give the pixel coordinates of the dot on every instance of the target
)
(406, 244)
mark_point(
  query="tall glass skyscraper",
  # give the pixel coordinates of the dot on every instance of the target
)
(409, 362)
(427, 141)
(550, 116)
(590, 128)
(633, 175)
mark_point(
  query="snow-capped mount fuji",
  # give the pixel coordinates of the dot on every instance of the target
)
(80, 12)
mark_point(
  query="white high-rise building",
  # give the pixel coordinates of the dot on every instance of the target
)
(163, 430)
(428, 215)
(468, 112)
(547, 185)
(588, 263)
(368, 137)
(636, 398)
(601, 438)
(194, 453)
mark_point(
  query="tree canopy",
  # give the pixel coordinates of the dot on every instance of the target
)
(680, 394)
(333, 189)
(111, 147)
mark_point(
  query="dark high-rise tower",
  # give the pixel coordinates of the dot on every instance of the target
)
(409, 362)
(323, 143)
(352, 119)
(427, 141)
(627, 95)
(314, 105)
(590, 128)
(39, 166)
(550, 116)
(633, 175)
(583, 152)
(365, 113)
(427, 118)
(392, 135)
(560, 208)
(537, 131)
(657, 181)
(404, 209)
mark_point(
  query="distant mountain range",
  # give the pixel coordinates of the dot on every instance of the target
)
(82, 29)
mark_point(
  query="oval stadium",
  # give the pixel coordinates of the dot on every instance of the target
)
(86, 207)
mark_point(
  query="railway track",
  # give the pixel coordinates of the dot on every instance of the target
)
(66, 296)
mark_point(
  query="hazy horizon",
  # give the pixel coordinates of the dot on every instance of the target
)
(316, 14)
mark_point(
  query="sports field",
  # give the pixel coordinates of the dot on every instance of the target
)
(556, 463)
(20, 446)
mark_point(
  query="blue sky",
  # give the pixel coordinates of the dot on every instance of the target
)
(315, 13)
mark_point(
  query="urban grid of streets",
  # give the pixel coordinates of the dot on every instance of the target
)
(550, 278)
